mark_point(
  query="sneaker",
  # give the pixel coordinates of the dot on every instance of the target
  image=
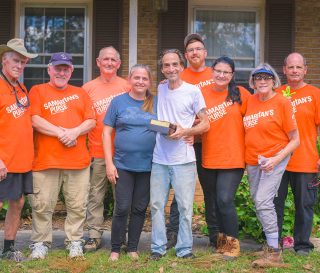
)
(39, 250)
(303, 252)
(92, 244)
(287, 242)
(75, 249)
(155, 256)
(188, 256)
(172, 239)
(13, 255)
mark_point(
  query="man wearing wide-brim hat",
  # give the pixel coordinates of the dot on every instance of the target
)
(16, 153)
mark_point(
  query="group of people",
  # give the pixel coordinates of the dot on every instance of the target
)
(220, 129)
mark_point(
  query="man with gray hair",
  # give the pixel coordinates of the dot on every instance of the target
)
(62, 115)
(101, 91)
(16, 153)
(173, 159)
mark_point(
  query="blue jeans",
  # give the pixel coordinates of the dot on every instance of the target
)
(183, 180)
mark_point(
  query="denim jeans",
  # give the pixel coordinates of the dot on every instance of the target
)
(305, 196)
(182, 178)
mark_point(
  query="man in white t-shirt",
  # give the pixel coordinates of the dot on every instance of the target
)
(174, 161)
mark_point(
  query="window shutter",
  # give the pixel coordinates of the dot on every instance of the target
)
(173, 26)
(6, 20)
(279, 32)
(107, 26)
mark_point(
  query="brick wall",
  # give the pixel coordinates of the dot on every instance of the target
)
(147, 51)
(307, 36)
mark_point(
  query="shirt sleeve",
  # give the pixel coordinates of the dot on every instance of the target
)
(89, 112)
(317, 106)
(289, 119)
(199, 102)
(111, 115)
(35, 101)
(245, 95)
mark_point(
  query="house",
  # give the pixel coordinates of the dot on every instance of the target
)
(249, 31)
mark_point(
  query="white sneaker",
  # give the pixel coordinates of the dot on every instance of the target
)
(75, 249)
(39, 250)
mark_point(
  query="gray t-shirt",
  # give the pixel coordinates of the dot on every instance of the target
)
(178, 106)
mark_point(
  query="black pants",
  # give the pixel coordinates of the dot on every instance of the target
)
(210, 213)
(305, 196)
(132, 192)
(219, 189)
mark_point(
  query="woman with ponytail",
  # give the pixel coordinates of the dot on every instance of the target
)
(223, 152)
(130, 166)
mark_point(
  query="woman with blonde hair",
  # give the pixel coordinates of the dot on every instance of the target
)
(130, 166)
(271, 135)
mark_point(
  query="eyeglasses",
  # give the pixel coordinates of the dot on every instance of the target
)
(189, 50)
(263, 77)
(19, 102)
(224, 73)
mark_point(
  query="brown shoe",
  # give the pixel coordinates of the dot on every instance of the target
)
(231, 249)
(264, 249)
(272, 258)
(221, 242)
(92, 244)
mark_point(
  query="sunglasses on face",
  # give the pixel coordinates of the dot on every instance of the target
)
(262, 77)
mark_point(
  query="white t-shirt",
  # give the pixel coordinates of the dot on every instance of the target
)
(178, 106)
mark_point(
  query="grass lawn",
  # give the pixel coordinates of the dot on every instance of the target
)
(205, 262)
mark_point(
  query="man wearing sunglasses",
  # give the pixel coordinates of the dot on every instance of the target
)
(16, 153)
(62, 115)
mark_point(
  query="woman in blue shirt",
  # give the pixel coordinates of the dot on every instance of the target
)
(130, 166)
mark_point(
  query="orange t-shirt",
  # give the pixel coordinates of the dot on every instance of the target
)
(306, 102)
(67, 108)
(101, 94)
(267, 125)
(223, 144)
(202, 79)
(16, 140)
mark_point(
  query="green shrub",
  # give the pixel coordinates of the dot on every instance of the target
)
(248, 222)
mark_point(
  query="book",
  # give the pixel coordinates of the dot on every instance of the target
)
(162, 127)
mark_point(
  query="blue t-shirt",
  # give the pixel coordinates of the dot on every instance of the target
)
(134, 142)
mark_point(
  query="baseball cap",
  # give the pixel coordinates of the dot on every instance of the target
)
(192, 36)
(60, 58)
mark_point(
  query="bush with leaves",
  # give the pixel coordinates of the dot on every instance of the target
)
(250, 226)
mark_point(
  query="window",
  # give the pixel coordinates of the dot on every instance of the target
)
(48, 30)
(231, 33)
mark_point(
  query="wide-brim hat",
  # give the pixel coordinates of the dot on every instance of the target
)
(16, 45)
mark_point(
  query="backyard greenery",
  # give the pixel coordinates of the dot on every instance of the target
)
(205, 262)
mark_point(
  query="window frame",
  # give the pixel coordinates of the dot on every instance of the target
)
(257, 6)
(87, 56)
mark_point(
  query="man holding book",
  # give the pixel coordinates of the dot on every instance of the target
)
(174, 161)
